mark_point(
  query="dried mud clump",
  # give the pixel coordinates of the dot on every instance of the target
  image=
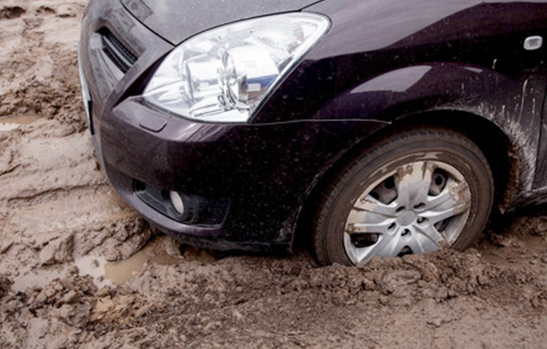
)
(58, 250)
(38, 98)
(70, 300)
(117, 241)
(5, 285)
(50, 315)
(39, 69)
(62, 102)
(11, 12)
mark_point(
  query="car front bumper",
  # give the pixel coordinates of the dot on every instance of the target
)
(244, 184)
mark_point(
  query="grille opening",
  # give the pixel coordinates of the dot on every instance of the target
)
(114, 49)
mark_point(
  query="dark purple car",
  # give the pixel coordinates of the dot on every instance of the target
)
(385, 127)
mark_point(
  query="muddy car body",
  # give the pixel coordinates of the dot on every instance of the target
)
(395, 126)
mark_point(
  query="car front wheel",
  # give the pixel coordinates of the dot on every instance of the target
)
(413, 192)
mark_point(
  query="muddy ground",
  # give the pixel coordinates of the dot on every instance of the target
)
(79, 269)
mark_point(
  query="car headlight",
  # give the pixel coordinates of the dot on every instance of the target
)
(224, 74)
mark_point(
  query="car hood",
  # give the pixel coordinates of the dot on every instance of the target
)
(177, 20)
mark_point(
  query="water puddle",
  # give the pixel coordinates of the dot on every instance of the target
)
(10, 123)
(118, 273)
(94, 267)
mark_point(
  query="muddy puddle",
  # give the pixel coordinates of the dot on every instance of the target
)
(10, 123)
(106, 273)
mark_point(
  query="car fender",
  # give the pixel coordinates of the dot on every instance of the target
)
(512, 104)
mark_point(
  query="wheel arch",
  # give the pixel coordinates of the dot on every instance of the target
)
(498, 148)
(506, 168)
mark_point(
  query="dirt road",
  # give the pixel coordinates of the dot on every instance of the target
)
(79, 269)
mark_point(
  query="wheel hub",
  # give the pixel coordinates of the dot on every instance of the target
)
(407, 218)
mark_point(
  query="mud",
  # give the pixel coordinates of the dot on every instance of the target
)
(80, 269)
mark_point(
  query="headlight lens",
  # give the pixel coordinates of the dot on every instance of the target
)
(224, 74)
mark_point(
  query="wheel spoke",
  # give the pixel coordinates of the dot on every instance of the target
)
(426, 239)
(387, 245)
(363, 255)
(393, 246)
(454, 200)
(413, 183)
(363, 228)
(453, 192)
(371, 205)
(437, 216)
(421, 245)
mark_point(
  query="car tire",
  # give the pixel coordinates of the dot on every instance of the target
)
(415, 191)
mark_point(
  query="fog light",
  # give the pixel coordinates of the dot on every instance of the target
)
(176, 201)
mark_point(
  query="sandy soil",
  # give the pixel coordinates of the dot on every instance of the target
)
(79, 269)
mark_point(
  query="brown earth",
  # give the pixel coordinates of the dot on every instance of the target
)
(79, 269)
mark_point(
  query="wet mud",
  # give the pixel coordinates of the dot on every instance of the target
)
(80, 269)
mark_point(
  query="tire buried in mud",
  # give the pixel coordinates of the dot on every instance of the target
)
(415, 191)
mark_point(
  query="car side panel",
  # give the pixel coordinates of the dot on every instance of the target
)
(362, 46)
(541, 174)
(428, 55)
(514, 105)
